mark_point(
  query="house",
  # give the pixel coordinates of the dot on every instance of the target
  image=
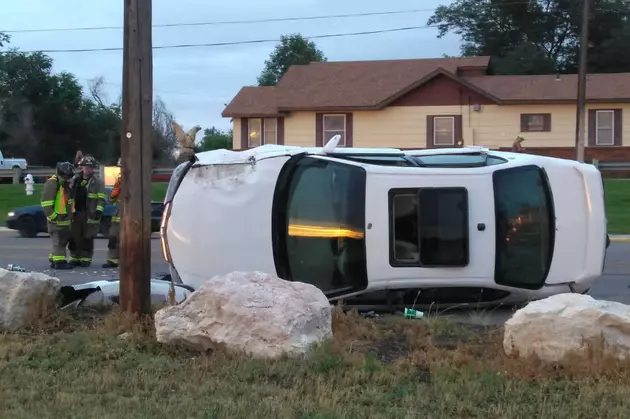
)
(430, 103)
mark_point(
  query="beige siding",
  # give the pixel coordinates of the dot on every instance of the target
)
(405, 126)
(236, 135)
(499, 125)
(400, 127)
(299, 129)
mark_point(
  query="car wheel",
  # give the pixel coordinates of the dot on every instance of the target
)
(103, 228)
(27, 227)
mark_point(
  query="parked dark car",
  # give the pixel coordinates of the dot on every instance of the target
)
(30, 221)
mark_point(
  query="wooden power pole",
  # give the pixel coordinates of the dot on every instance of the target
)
(135, 234)
(581, 99)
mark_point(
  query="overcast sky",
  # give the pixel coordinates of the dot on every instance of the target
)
(196, 83)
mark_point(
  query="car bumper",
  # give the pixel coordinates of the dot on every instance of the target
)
(11, 223)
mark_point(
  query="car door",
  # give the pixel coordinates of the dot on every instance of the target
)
(430, 227)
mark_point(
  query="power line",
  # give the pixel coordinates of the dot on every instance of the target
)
(220, 44)
(226, 22)
(282, 19)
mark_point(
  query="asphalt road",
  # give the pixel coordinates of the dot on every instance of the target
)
(32, 254)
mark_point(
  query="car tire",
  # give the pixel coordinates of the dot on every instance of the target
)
(103, 227)
(27, 227)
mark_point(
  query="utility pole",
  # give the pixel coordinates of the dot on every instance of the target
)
(135, 234)
(581, 99)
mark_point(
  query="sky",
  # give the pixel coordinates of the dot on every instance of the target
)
(197, 83)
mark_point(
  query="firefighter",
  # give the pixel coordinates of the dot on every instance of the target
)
(114, 229)
(57, 204)
(88, 192)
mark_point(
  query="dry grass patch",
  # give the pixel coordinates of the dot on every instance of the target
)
(80, 367)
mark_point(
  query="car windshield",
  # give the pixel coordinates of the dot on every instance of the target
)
(320, 225)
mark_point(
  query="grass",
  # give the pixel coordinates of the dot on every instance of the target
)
(372, 368)
(14, 196)
(618, 205)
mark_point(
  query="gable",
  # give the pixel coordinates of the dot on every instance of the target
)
(441, 91)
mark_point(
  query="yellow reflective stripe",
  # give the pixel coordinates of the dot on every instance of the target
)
(47, 203)
(94, 221)
(101, 195)
(99, 208)
(52, 216)
(70, 201)
(61, 223)
(115, 219)
(58, 258)
(113, 261)
(92, 195)
(85, 259)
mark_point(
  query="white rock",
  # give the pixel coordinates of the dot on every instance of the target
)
(552, 327)
(25, 297)
(252, 312)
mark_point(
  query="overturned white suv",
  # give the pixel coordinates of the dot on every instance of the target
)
(447, 226)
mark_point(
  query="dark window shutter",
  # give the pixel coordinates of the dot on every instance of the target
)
(429, 141)
(280, 128)
(547, 122)
(244, 133)
(592, 128)
(319, 130)
(618, 127)
(349, 130)
(524, 122)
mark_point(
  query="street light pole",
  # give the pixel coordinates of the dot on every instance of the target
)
(135, 235)
(581, 99)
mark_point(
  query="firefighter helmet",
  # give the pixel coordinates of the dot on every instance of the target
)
(88, 160)
(65, 170)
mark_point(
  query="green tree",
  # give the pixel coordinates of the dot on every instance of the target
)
(535, 37)
(215, 139)
(292, 50)
(4, 39)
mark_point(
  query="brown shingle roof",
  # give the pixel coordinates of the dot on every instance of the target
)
(359, 83)
(599, 87)
(253, 101)
(373, 84)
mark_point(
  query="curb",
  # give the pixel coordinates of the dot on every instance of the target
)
(614, 239)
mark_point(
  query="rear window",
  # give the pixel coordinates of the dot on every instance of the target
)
(429, 227)
(525, 226)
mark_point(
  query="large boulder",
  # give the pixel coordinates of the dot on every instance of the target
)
(553, 327)
(25, 298)
(248, 312)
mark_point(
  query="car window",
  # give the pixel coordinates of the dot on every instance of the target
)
(324, 225)
(429, 227)
(525, 225)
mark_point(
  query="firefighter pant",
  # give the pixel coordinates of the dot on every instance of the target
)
(59, 236)
(81, 243)
(113, 246)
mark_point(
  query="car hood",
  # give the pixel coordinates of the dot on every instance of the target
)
(27, 210)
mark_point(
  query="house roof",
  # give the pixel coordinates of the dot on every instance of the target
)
(614, 87)
(254, 101)
(355, 85)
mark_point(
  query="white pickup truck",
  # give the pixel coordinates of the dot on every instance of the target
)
(12, 163)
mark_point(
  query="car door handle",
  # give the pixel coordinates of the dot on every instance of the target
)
(481, 227)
